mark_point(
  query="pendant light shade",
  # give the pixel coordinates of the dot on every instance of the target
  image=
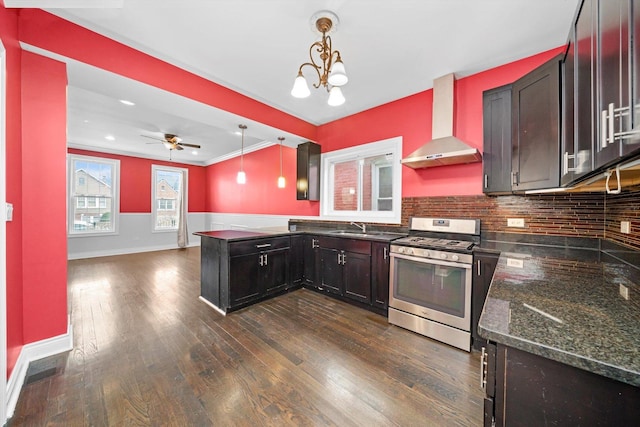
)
(300, 87)
(335, 97)
(338, 75)
(241, 178)
(281, 180)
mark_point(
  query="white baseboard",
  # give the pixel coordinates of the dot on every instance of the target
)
(212, 305)
(29, 353)
(126, 251)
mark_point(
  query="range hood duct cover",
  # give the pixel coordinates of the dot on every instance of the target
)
(444, 148)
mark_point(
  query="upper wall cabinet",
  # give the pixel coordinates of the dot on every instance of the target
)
(579, 113)
(617, 110)
(536, 123)
(496, 156)
(308, 172)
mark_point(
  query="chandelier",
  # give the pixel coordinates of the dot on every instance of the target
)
(326, 62)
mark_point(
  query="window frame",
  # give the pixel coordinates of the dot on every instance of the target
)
(155, 203)
(391, 146)
(115, 196)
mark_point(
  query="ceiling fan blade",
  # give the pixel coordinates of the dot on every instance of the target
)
(153, 137)
(184, 144)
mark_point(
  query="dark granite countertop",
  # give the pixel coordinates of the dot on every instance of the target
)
(379, 236)
(565, 304)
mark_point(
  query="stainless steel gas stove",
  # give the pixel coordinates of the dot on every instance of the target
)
(430, 279)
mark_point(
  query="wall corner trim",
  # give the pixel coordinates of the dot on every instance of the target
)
(29, 353)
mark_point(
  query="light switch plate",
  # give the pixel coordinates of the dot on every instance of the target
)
(625, 227)
(624, 292)
(515, 222)
(9, 211)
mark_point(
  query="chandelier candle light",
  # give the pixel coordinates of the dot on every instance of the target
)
(281, 182)
(329, 67)
(242, 177)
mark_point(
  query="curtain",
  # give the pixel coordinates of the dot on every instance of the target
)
(183, 233)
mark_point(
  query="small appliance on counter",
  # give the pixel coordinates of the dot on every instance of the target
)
(430, 279)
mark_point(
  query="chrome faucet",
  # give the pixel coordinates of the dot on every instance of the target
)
(362, 226)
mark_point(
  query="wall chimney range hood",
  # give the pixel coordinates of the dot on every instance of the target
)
(444, 148)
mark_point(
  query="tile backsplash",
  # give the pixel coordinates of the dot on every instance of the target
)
(592, 215)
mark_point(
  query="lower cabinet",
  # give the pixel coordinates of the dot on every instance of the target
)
(346, 267)
(311, 261)
(296, 262)
(380, 275)
(484, 264)
(524, 389)
(257, 268)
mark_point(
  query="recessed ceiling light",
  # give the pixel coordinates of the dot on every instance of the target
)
(110, 137)
(125, 102)
(194, 152)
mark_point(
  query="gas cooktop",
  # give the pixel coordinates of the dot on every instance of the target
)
(434, 243)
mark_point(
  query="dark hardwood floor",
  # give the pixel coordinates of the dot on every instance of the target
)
(148, 352)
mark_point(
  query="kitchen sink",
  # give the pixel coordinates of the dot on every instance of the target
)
(367, 234)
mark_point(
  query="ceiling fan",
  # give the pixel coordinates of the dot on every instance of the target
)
(172, 142)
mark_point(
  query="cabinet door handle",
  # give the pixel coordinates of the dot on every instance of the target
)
(514, 178)
(266, 257)
(478, 266)
(483, 369)
(385, 253)
(261, 262)
(611, 121)
(339, 254)
(486, 180)
(344, 258)
(265, 245)
(603, 129)
(314, 244)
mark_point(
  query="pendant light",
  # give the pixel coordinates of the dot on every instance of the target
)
(281, 181)
(242, 177)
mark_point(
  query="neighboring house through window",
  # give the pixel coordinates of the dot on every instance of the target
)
(93, 195)
(363, 182)
(167, 184)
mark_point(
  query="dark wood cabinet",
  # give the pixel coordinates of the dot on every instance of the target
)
(345, 268)
(496, 156)
(380, 275)
(296, 263)
(311, 252)
(484, 264)
(530, 389)
(536, 124)
(357, 276)
(257, 268)
(581, 123)
(308, 172)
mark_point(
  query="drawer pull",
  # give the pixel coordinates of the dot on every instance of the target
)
(264, 245)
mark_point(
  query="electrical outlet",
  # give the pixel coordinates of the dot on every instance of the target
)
(515, 222)
(624, 291)
(625, 227)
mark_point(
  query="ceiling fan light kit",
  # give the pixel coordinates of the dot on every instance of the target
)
(173, 142)
(327, 63)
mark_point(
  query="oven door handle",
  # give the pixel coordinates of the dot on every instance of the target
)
(431, 261)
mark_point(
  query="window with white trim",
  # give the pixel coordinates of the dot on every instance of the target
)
(167, 184)
(93, 195)
(363, 183)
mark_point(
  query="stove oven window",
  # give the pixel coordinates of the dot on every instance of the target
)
(434, 286)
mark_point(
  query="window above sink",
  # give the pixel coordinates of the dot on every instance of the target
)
(363, 182)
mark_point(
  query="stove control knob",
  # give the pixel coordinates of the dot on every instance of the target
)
(409, 251)
(455, 257)
(443, 256)
(401, 250)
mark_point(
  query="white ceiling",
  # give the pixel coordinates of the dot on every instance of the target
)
(391, 49)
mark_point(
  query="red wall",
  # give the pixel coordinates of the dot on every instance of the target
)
(260, 194)
(135, 182)
(9, 36)
(54, 34)
(410, 118)
(44, 206)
